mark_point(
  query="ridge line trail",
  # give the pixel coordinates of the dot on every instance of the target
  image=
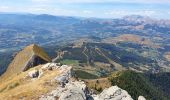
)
(85, 48)
(116, 65)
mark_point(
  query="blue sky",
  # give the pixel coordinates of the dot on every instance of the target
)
(90, 8)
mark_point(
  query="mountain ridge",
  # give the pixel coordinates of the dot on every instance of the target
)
(30, 56)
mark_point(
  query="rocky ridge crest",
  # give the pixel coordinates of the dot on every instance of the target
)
(70, 89)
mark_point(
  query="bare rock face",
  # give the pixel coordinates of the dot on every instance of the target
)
(141, 98)
(72, 91)
(113, 93)
(35, 73)
(65, 76)
(51, 66)
(78, 91)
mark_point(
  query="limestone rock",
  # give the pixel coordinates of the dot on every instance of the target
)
(72, 91)
(113, 93)
(51, 66)
(77, 90)
(141, 98)
(35, 73)
(65, 76)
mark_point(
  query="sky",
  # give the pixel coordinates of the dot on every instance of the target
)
(90, 8)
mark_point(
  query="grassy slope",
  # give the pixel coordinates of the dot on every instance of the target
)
(136, 84)
(40, 52)
(18, 62)
(69, 62)
(22, 59)
(19, 86)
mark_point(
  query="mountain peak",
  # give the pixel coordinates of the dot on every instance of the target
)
(30, 56)
(32, 45)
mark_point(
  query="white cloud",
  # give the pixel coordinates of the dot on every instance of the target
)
(4, 8)
(87, 12)
(121, 13)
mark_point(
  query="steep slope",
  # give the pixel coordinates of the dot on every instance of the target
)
(32, 83)
(161, 80)
(106, 57)
(89, 56)
(30, 56)
(137, 84)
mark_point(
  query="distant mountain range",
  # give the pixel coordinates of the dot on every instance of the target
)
(24, 29)
(55, 32)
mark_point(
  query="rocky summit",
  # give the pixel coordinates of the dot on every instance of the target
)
(78, 90)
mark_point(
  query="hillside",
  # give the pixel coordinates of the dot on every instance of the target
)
(32, 83)
(161, 80)
(151, 86)
(30, 56)
(103, 58)
(137, 84)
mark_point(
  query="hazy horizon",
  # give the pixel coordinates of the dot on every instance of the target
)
(89, 8)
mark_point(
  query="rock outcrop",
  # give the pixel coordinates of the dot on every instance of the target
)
(29, 57)
(113, 93)
(35, 73)
(72, 91)
(78, 90)
(141, 98)
(64, 77)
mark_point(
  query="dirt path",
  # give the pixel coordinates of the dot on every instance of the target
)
(117, 65)
(85, 48)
